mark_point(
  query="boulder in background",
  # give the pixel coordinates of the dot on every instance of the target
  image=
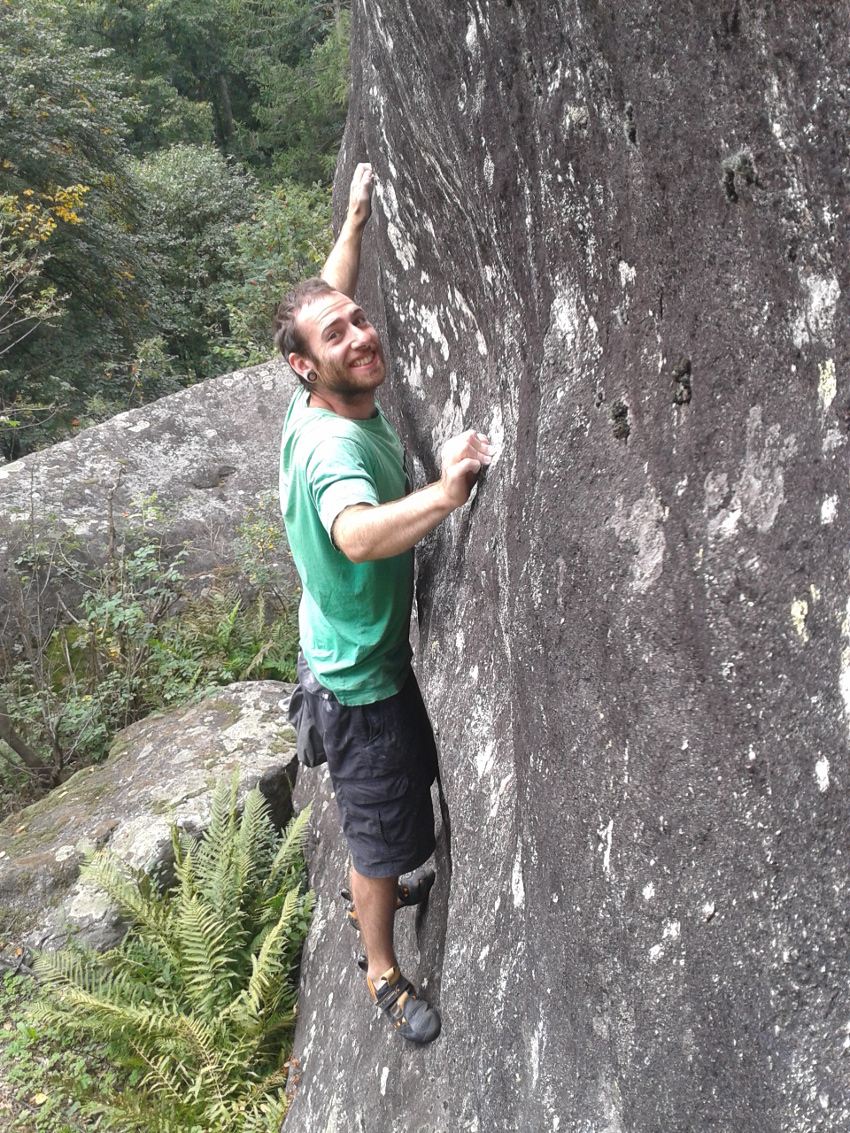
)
(161, 771)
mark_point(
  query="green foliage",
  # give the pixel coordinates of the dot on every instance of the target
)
(197, 1004)
(25, 226)
(62, 131)
(232, 642)
(299, 55)
(196, 199)
(27, 299)
(287, 239)
(153, 373)
(136, 643)
(269, 81)
(261, 548)
(123, 272)
(73, 679)
(181, 59)
(50, 1071)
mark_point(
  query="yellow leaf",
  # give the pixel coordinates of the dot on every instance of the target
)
(38, 1099)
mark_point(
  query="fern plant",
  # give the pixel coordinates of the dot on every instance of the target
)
(232, 642)
(199, 999)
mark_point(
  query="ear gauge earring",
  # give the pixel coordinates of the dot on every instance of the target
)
(311, 376)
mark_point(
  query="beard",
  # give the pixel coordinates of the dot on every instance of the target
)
(343, 382)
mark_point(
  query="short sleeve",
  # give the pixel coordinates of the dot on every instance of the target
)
(338, 477)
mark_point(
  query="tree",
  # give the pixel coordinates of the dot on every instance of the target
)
(61, 124)
(26, 300)
(287, 239)
(25, 226)
(195, 200)
(138, 50)
(260, 78)
(299, 57)
(121, 277)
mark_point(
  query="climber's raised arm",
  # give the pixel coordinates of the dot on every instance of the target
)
(343, 264)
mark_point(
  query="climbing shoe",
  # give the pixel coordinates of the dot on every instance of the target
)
(413, 888)
(413, 1018)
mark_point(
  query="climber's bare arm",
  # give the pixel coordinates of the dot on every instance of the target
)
(366, 532)
(343, 264)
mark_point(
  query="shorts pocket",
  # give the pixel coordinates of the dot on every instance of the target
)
(377, 808)
(374, 792)
(367, 722)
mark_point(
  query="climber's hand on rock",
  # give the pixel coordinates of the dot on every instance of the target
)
(463, 457)
(360, 195)
(366, 532)
(342, 266)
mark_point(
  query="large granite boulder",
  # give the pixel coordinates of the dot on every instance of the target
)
(160, 771)
(208, 453)
(615, 237)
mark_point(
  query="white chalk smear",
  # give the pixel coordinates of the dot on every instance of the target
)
(822, 774)
(828, 509)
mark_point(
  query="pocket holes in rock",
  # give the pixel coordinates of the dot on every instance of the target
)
(629, 125)
(738, 170)
(681, 377)
(620, 426)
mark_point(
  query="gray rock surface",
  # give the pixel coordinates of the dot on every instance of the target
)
(615, 237)
(208, 452)
(160, 771)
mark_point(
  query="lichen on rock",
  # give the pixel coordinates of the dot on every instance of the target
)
(160, 771)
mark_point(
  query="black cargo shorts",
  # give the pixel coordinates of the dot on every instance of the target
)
(382, 761)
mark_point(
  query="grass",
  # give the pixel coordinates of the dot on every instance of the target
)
(47, 1073)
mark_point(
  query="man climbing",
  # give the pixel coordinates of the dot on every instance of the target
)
(352, 520)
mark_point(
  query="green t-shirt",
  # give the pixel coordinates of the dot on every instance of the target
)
(354, 617)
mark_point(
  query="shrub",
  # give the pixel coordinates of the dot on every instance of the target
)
(200, 997)
(195, 199)
(288, 238)
(135, 641)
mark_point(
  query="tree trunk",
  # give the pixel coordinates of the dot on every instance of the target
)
(225, 111)
(28, 755)
(614, 238)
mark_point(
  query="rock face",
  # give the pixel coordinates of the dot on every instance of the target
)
(160, 771)
(614, 236)
(208, 453)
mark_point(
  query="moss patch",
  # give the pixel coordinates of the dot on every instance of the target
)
(218, 704)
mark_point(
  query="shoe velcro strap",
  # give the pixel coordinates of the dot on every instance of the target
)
(388, 999)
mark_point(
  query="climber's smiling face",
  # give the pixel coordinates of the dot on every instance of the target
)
(343, 351)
